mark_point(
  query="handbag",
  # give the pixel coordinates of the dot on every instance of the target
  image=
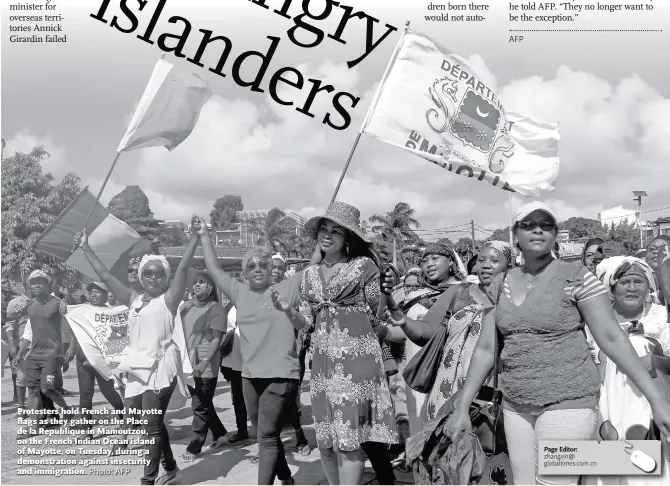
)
(486, 409)
(421, 371)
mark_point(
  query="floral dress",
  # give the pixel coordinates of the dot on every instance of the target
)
(351, 402)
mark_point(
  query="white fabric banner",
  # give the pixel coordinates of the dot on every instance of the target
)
(101, 333)
(432, 104)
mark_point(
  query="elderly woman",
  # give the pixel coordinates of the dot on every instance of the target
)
(623, 413)
(152, 359)
(270, 368)
(351, 402)
(548, 379)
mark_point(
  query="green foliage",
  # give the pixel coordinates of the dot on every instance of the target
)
(132, 206)
(583, 228)
(30, 202)
(274, 231)
(223, 215)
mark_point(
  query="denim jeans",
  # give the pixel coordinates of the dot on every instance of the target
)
(87, 376)
(160, 450)
(268, 400)
(234, 377)
(204, 414)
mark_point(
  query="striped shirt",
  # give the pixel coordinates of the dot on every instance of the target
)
(587, 288)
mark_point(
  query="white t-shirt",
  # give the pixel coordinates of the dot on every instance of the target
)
(234, 359)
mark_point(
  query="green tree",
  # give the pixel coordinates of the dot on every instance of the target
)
(397, 227)
(224, 213)
(30, 202)
(132, 206)
(500, 235)
(274, 230)
(583, 228)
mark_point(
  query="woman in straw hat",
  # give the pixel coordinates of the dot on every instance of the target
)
(351, 401)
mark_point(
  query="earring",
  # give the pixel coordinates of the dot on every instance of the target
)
(346, 248)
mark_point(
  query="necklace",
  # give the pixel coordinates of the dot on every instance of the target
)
(533, 278)
(327, 264)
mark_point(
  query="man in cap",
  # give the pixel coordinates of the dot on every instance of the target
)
(45, 358)
(86, 373)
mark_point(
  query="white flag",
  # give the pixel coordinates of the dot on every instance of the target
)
(431, 103)
(168, 109)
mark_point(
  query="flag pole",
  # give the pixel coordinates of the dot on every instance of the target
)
(372, 106)
(511, 220)
(104, 183)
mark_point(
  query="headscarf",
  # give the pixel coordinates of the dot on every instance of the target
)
(154, 258)
(612, 269)
(213, 293)
(457, 269)
(590, 243)
(504, 248)
(279, 257)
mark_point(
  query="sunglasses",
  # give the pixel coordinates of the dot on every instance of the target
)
(261, 265)
(531, 225)
(151, 274)
(132, 270)
(201, 282)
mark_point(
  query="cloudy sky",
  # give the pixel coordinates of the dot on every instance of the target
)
(610, 92)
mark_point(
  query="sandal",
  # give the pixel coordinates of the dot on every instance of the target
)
(167, 476)
(218, 443)
(303, 449)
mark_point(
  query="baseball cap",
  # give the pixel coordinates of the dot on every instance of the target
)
(529, 208)
(39, 274)
(98, 285)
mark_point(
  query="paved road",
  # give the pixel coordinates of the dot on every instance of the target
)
(230, 465)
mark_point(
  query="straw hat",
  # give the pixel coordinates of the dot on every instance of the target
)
(341, 213)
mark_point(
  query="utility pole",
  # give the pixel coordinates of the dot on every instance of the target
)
(472, 227)
(638, 197)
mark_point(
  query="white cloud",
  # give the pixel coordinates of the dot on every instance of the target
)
(615, 139)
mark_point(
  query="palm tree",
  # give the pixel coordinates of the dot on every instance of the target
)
(397, 227)
(273, 231)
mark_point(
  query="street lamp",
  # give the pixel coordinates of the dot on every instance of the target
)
(638, 197)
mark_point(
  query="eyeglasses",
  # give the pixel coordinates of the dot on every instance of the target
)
(261, 265)
(531, 225)
(152, 274)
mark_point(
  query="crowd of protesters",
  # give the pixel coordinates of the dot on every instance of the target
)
(577, 351)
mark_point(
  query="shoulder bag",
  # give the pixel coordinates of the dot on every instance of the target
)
(421, 371)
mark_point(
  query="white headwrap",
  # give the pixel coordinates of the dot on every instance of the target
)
(278, 256)
(607, 269)
(154, 258)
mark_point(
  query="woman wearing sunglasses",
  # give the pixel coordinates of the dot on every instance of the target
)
(549, 382)
(152, 360)
(270, 366)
